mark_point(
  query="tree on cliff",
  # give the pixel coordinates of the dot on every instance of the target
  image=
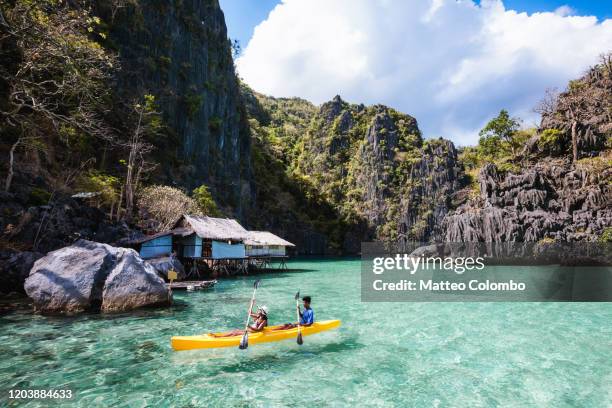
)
(147, 124)
(583, 110)
(205, 201)
(500, 129)
(54, 76)
(161, 206)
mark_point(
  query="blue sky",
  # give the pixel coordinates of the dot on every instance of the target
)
(241, 16)
(451, 65)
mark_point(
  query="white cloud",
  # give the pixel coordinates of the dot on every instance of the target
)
(450, 63)
(565, 11)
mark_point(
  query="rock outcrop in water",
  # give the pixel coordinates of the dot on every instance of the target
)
(90, 276)
(551, 199)
(133, 283)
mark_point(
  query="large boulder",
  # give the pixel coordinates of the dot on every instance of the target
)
(75, 279)
(133, 283)
(164, 264)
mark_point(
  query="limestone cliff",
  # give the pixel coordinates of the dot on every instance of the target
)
(367, 170)
(549, 200)
(179, 51)
(559, 186)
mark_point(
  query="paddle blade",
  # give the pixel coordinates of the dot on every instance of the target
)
(244, 342)
(299, 339)
(256, 284)
(297, 295)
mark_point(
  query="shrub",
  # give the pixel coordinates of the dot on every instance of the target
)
(214, 124)
(499, 133)
(551, 141)
(606, 235)
(164, 205)
(193, 104)
(546, 241)
(106, 185)
(472, 182)
(205, 201)
(39, 196)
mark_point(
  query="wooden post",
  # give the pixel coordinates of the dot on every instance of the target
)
(172, 276)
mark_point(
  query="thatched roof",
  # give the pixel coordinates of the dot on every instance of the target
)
(265, 238)
(214, 228)
(147, 238)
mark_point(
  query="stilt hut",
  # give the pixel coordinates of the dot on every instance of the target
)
(219, 242)
(264, 248)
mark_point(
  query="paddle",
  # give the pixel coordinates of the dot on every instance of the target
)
(244, 342)
(297, 305)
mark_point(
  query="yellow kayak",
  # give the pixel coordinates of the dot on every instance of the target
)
(267, 335)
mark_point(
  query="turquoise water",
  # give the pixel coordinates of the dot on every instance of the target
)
(385, 354)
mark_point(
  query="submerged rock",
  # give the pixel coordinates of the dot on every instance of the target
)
(78, 278)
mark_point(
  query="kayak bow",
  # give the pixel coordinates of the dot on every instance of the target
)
(267, 335)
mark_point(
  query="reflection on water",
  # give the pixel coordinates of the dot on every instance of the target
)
(421, 354)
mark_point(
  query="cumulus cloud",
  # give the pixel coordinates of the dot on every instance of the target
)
(452, 64)
(565, 11)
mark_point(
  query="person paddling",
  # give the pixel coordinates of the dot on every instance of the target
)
(260, 321)
(306, 316)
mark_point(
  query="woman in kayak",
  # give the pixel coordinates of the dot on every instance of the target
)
(260, 321)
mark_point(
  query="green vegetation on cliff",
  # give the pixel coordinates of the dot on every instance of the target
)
(347, 172)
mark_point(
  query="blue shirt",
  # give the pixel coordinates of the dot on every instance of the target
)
(307, 316)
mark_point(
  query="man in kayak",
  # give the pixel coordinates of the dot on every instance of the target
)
(306, 317)
(260, 321)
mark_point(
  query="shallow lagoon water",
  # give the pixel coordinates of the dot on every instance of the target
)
(385, 354)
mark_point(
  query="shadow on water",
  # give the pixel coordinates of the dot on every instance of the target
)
(282, 273)
(269, 359)
(227, 300)
(267, 275)
(61, 320)
(289, 358)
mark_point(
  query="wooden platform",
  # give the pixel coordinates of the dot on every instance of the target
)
(197, 285)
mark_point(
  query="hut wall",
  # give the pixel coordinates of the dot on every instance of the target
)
(276, 250)
(223, 250)
(192, 246)
(156, 247)
(256, 250)
(265, 250)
